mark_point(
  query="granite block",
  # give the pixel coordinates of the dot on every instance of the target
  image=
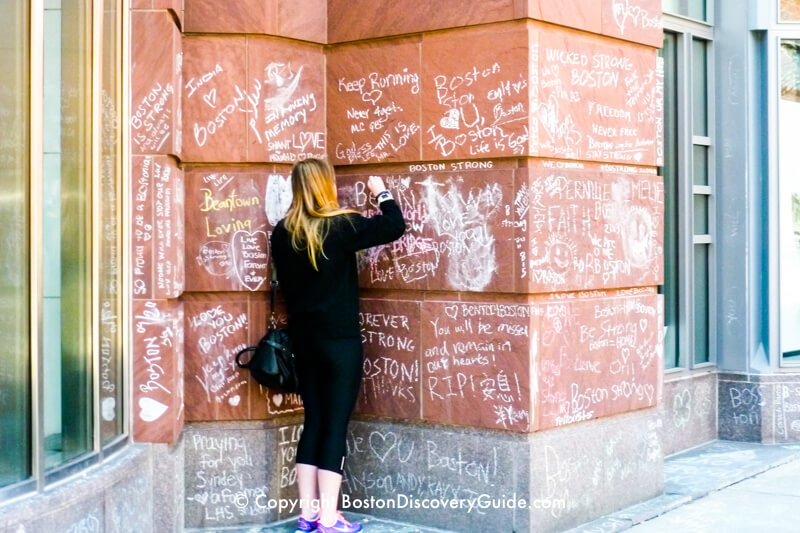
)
(353, 20)
(578, 14)
(229, 216)
(456, 239)
(588, 226)
(242, 16)
(586, 470)
(168, 487)
(405, 463)
(155, 120)
(740, 407)
(689, 412)
(129, 505)
(284, 101)
(475, 92)
(598, 356)
(230, 475)
(374, 102)
(214, 99)
(598, 99)
(157, 361)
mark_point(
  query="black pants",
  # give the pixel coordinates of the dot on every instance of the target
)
(330, 376)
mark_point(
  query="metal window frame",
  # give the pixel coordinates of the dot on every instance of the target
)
(42, 478)
(774, 38)
(686, 31)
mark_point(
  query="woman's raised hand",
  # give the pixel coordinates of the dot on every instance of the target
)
(375, 185)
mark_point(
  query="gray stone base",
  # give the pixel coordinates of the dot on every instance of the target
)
(689, 412)
(115, 497)
(457, 479)
(759, 408)
(563, 476)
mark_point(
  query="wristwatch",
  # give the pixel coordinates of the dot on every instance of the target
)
(383, 196)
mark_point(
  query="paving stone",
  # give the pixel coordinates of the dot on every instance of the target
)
(730, 511)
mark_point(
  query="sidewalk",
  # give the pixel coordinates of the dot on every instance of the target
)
(719, 487)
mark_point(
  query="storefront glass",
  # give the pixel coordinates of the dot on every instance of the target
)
(14, 258)
(789, 200)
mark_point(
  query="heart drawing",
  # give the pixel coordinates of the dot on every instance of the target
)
(151, 410)
(372, 96)
(250, 261)
(450, 120)
(211, 98)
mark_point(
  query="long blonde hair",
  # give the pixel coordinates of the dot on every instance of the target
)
(314, 202)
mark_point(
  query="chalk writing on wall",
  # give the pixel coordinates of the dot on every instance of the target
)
(595, 102)
(151, 118)
(787, 412)
(476, 104)
(215, 331)
(157, 237)
(586, 229)
(598, 356)
(453, 238)
(374, 103)
(158, 369)
(226, 479)
(227, 218)
(390, 384)
(475, 363)
(268, 108)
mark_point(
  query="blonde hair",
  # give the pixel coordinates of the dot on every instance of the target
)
(314, 203)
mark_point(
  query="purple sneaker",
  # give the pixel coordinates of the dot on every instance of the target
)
(307, 526)
(341, 526)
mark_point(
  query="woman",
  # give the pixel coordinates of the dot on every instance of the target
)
(314, 249)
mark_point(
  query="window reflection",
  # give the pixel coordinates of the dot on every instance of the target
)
(14, 286)
(789, 200)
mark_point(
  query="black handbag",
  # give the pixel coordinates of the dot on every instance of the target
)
(272, 363)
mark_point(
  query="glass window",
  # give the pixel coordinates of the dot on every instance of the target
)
(789, 200)
(699, 87)
(695, 9)
(66, 233)
(701, 299)
(688, 185)
(669, 171)
(15, 440)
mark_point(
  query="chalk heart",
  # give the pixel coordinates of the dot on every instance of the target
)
(643, 324)
(381, 444)
(201, 498)
(450, 120)
(372, 96)
(451, 311)
(151, 410)
(626, 353)
(234, 400)
(251, 272)
(277, 399)
(211, 98)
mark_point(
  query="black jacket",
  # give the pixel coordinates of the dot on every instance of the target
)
(324, 302)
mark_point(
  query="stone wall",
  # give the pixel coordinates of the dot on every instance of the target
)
(521, 140)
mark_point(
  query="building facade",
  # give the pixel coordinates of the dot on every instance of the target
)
(603, 223)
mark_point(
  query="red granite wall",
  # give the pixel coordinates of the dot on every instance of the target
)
(520, 138)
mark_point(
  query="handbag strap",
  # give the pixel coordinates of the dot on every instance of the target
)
(272, 323)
